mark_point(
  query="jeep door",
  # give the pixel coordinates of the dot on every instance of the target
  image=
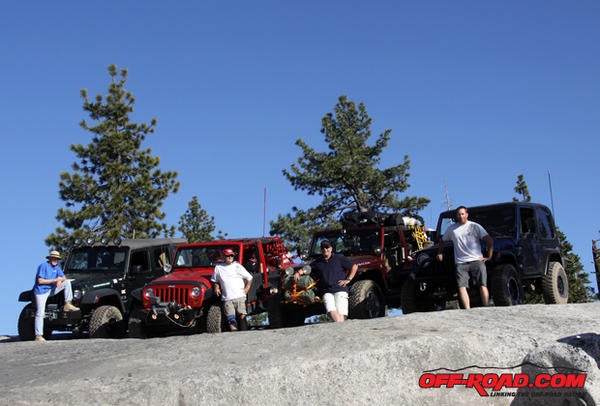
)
(528, 241)
(147, 264)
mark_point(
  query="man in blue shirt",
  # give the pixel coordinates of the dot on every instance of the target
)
(49, 280)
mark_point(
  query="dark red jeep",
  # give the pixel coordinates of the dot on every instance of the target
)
(183, 301)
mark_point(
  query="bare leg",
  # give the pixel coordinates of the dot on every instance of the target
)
(335, 316)
(464, 297)
(485, 295)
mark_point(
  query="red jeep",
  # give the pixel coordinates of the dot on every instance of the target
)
(183, 301)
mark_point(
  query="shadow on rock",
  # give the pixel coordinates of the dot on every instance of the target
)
(563, 373)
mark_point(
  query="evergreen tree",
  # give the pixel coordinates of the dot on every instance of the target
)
(346, 177)
(195, 224)
(577, 277)
(116, 188)
(522, 189)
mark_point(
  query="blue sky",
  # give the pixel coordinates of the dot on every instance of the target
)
(475, 92)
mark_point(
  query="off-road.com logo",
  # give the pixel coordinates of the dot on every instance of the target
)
(496, 382)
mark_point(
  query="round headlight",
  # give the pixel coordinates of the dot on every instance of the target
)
(104, 241)
(423, 259)
(289, 271)
(77, 294)
(306, 269)
(195, 292)
(149, 292)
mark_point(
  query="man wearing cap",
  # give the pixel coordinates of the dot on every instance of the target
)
(49, 280)
(334, 273)
(232, 282)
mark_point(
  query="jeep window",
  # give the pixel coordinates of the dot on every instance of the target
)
(139, 258)
(90, 259)
(349, 241)
(545, 220)
(161, 256)
(498, 222)
(528, 226)
(203, 256)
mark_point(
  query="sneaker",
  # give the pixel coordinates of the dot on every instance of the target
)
(40, 338)
(69, 307)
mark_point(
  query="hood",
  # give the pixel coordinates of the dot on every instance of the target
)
(94, 280)
(184, 275)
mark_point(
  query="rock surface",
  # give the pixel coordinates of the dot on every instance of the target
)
(377, 361)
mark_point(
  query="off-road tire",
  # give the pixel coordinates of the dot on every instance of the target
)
(365, 300)
(105, 322)
(274, 310)
(555, 285)
(26, 327)
(411, 300)
(215, 321)
(135, 326)
(292, 315)
(506, 287)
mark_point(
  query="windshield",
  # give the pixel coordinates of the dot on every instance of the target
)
(203, 256)
(497, 221)
(92, 259)
(349, 241)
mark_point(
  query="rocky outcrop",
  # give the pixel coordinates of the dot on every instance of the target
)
(392, 360)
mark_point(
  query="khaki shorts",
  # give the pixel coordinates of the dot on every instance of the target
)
(235, 306)
(336, 301)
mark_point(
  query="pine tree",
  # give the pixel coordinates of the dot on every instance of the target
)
(116, 188)
(346, 177)
(195, 224)
(522, 189)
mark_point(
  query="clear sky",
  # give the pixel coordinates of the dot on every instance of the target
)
(475, 92)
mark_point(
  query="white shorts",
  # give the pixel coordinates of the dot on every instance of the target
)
(336, 301)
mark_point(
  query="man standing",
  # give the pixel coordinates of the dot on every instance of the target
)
(49, 280)
(232, 282)
(466, 237)
(334, 273)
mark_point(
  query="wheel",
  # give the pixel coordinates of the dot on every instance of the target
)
(413, 300)
(215, 322)
(506, 288)
(26, 326)
(135, 326)
(365, 301)
(105, 322)
(292, 315)
(274, 309)
(555, 285)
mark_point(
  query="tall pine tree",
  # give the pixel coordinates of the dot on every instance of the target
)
(195, 224)
(346, 177)
(115, 188)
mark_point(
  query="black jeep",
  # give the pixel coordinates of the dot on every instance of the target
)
(526, 256)
(103, 275)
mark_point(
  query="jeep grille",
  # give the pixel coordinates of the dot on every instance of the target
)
(172, 294)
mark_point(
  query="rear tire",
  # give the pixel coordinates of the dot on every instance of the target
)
(106, 322)
(555, 285)
(365, 301)
(136, 324)
(506, 288)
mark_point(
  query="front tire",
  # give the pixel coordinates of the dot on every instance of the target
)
(25, 325)
(105, 322)
(135, 326)
(215, 322)
(413, 300)
(365, 301)
(555, 285)
(506, 289)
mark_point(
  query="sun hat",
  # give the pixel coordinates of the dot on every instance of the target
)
(53, 254)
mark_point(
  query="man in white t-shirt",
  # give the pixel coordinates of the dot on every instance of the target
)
(466, 237)
(232, 282)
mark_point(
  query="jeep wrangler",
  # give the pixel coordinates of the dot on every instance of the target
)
(526, 256)
(380, 244)
(184, 302)
(103, 274)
